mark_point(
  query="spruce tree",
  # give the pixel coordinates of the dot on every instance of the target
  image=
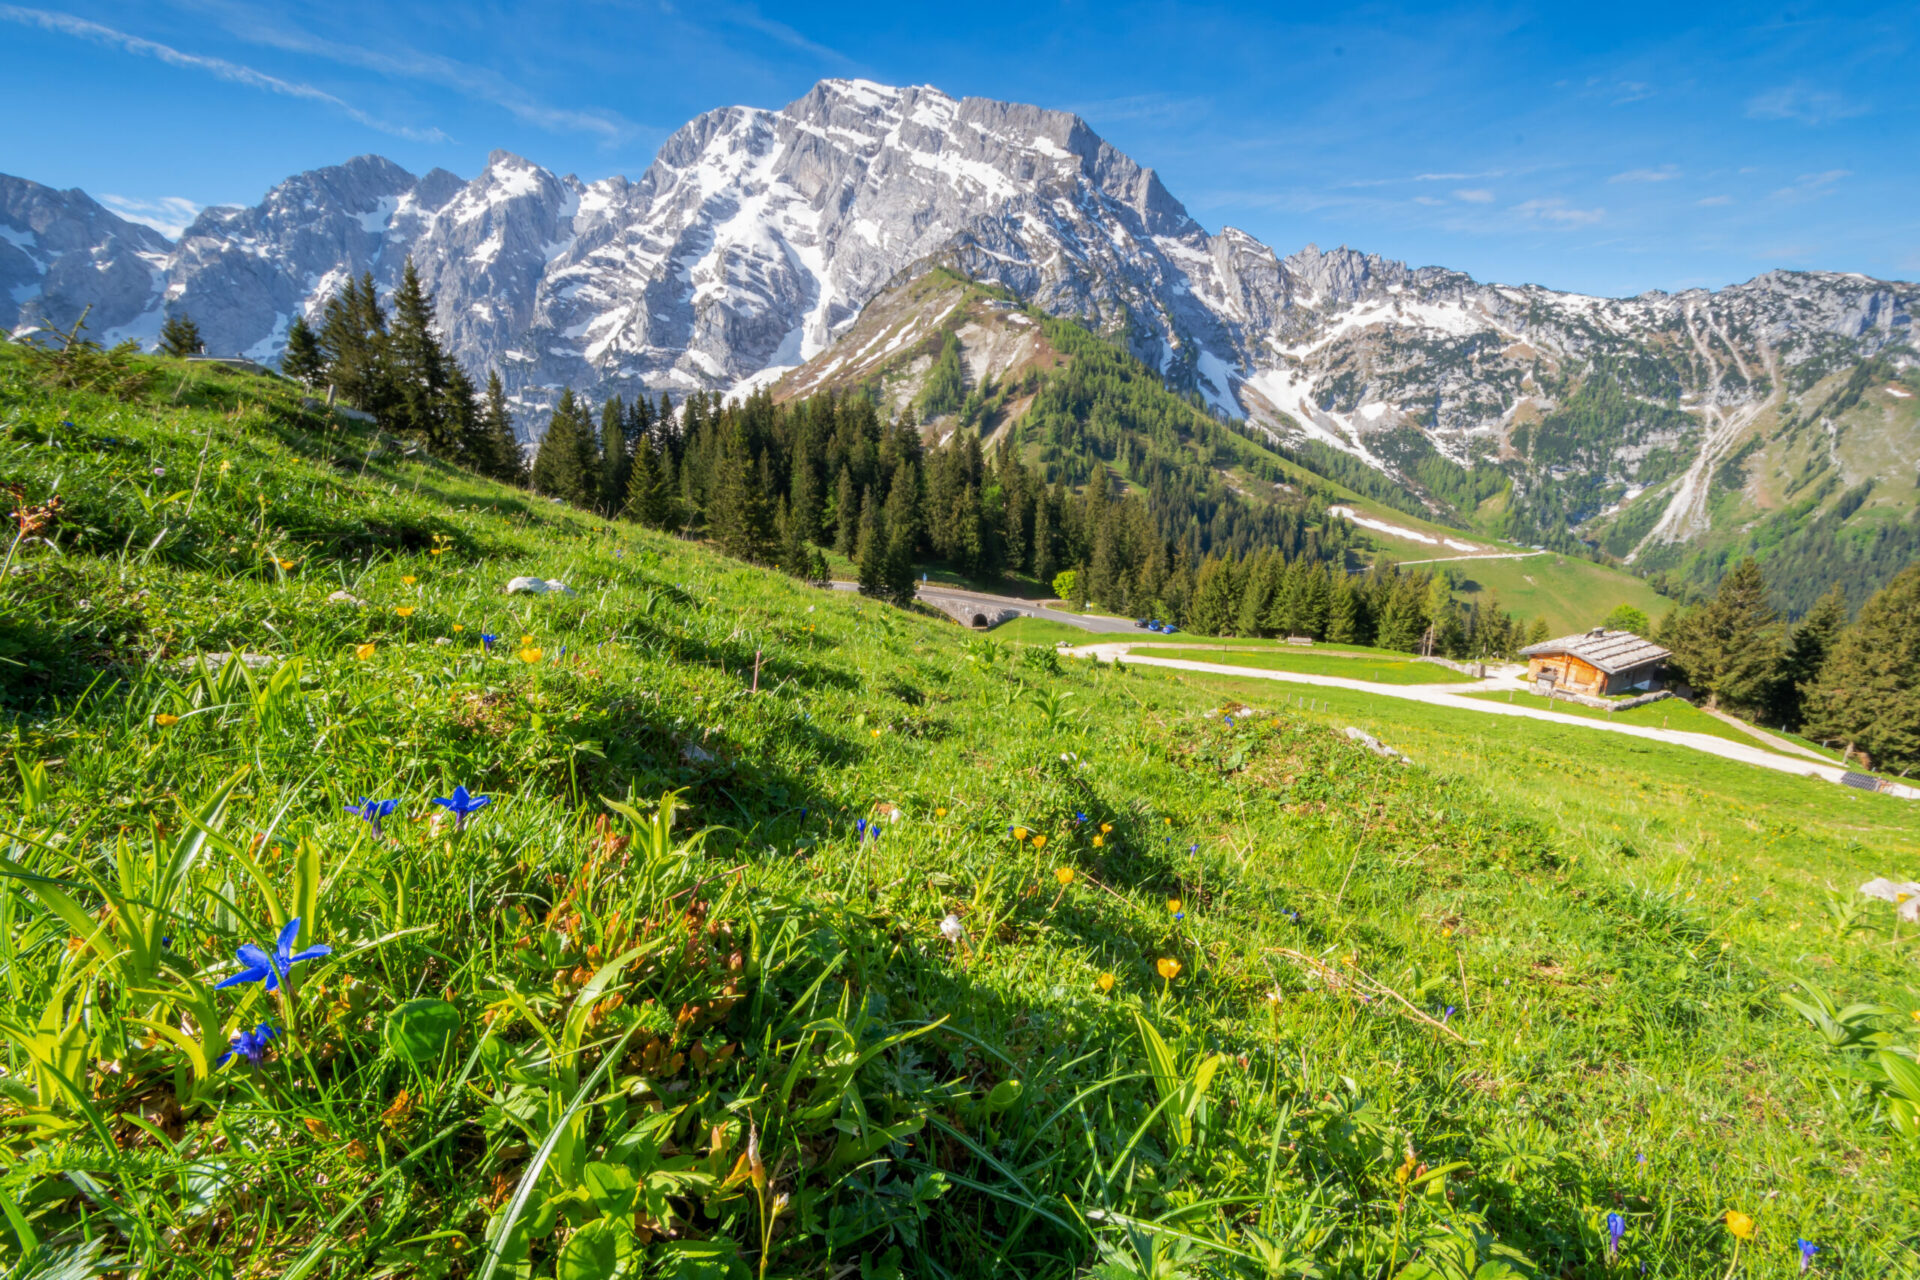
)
(739, 518)
(353, 338)
(616, 456)
(847, 509)
(901, 541)
(419, 373)
(1731, 649)
(180, 337)
(302, 360)
(1343, 613)
(568, 462)
(1868, 692)
(1807, 653)
(503, 457)
(646, 489)
(870, 548)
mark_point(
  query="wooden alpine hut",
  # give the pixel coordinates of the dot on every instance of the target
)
(1595, 662)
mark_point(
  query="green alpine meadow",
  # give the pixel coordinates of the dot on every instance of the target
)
(677, 917)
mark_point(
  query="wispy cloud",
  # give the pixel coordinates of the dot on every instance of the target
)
(1710, 201)
(401, 63)
(1800, 101)
(1558, 212)
(1164, 108)
(232, 72)
(1475, 195)
(1665, 173)
(752, 19)
(1811, 186)
(169, 215)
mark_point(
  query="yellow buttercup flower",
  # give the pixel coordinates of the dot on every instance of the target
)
(1174, 905)
(1168, 821)
(1105, 828)
(409, 579)
(405, 611)
(1739, 1224)
(284, 564)
(941, 812)
(438, 551)
(1064, 875)
(1098, 841)
(458, 627)
(1020, 833)
(1104, 982)
(1447, 932)
(163, 720)
(1169, 968)
(526, 639)
(1039, 842)
(530, 656)
(363, 651)
(876, 733)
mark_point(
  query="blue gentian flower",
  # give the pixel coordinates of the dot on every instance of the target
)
(1448, 1014)
(859, 830)
(1807, 1249)
(251, 1045)
(461, 805)
(1616, 1227)
(1079, 817)
(372, 811)
(271, 967)
(1229, 720)
(486, 640)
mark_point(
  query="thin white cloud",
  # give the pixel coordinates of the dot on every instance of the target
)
(1709, 201)
(232, 72)
(1559, 213)
(1800, 101)
(411, 64)
(1665, 173)
(1475, 195)
(1811, 186)
(1429, 200)
(169, 215)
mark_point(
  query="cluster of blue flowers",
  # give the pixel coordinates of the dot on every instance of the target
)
(270, 969)
(460, 804)
(864, 830)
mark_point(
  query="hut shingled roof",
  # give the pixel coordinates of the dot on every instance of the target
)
(1610, 651)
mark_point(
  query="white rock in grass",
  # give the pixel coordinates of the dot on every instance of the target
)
(537, 586)
(1905, 894)
(345, 597)
(218, 661)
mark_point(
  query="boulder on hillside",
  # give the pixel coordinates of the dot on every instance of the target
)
(538, 587)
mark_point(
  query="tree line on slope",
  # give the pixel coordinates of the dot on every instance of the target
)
(1851, 684)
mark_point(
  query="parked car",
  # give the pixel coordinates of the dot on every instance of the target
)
(1153, 626)
(1140, 622)
(1168, 630)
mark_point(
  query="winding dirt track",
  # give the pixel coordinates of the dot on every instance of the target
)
(1448, 695)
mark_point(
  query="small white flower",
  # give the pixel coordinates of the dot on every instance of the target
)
(953, 929)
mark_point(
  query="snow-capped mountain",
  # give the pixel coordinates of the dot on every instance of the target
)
(757, 236)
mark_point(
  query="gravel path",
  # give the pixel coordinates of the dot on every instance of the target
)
(1448, 695)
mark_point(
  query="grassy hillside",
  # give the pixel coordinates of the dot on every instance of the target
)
(1118, 989)
(1571, 594)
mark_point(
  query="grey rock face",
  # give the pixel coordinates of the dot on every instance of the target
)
(61, 251)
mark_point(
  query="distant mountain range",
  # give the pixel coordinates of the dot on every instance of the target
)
(757, 238)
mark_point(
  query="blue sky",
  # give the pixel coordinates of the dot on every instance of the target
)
(1611, 151)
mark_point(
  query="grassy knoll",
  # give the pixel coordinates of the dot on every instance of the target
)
(1398, 669)
(1571, 594)
(1669, 713)
(660, 1008)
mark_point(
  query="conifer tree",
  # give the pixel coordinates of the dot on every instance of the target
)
(302, 360)
(419, 372)
(847, 515)
(647, 495)
(1731, 649)
(1216, 593)
(180, 337)
(901, 540)
(1343, 613)
(870, 548)
(739, 518)
(503, 457)
(1868, 692)
(616, 456)
(353, 337)
(567, 464)
(1807, 651)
